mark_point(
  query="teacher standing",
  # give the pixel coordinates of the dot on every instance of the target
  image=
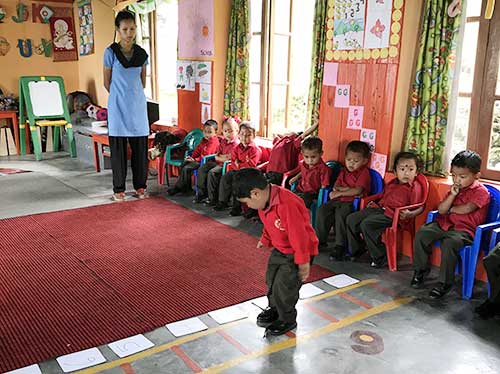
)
(125, 78)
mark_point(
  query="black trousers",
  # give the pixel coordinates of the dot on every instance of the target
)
(139, 161)
(492, 266)
(184, 181)
(213, 181)
(371, 222)
(226, 186)
(283, 285)
(333, 214)
(202, 180)
(451, 243)
(308, 197)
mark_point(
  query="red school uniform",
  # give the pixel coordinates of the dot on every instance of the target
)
(476, 194)
(313, 177)
(248, 156)
(397, 195)
(226, 147)
(285, 153)
(357, 178)
(206, 147)
(287, 226)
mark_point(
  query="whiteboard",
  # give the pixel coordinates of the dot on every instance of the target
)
(46, 98)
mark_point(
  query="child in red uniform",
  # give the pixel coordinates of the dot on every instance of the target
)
(288, 231)
(464, 208)
(244, 155)
(314, 173)
(377, 216)
(211, 171)
(208, 145)
(353, 181)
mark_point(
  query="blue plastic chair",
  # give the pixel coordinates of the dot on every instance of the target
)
(470, 253)
(203, 161)
(495, 238)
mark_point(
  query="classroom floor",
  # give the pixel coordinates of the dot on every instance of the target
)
(379, 325)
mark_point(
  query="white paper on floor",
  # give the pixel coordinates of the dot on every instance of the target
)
(129, 346)
(261, 302)
(340, 280)
(80, 360)
(186, 326)
(309, 290)
(229, 314)
(32, 369)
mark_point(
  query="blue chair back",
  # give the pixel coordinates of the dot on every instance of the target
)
(336, 168)
(376, 182)
(494, 207)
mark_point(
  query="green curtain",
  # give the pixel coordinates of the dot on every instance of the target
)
(429, 98)
(236, 85)
(318, 60)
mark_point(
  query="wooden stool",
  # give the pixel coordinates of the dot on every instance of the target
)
(12, 116)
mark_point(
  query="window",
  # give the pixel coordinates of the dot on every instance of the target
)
(145, 38)
(478, 103)
(280, 64)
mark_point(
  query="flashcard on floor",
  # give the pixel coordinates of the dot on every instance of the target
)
(261, 302)
(186, 327)
(340, 280)
(229, 314)
(80, 360)
(309, 290)
(32, 369)
(129, 346)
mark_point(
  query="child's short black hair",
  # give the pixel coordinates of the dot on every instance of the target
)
(247, 125)
(357, 146)
(211, 123)
(467, 159)
(408, 156)
(312, 143)
(245, 180)
(122, 16)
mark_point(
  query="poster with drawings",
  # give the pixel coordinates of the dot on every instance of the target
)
(86, 27)
(378, 23)
(348, 24)
(186, 75)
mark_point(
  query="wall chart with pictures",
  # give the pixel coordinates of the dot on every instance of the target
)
(86, 27)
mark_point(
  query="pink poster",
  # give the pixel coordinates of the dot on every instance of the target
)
(330, 73)
(196, 29)
(342, 95)
(368, 136)
(355, 119)
(379, 163)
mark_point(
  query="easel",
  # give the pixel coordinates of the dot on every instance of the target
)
(43, 100)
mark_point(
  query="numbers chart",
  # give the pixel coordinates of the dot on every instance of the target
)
(349, 24)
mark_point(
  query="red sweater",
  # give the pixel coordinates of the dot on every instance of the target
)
(206, 147)
(247, 156)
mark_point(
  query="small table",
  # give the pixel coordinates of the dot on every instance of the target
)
(12, 115)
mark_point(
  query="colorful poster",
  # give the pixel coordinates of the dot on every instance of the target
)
(196, 29)
(206, 113)
(330, 73)
(342, 95)
(62, 31)
(205, 93)
(355, 118)
(186, 75)
(378, 23)
(203, 72)
(348, 24)
(86, 27)
(368, 136)
(379, 163)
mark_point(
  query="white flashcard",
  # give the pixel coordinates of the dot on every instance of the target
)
(309, 290)
(186, 327)
(229, 314)
(205, 93)
(80, 360)
(32, 369)
(261, 302)
(129, 346)
(341, 281)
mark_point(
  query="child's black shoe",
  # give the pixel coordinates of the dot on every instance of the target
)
(266, 317)
(379, 262)
(488, 309)
(219, 207)
(279, 327)
(198, 199)
(440, 291)
(418, 278)
(235, 212)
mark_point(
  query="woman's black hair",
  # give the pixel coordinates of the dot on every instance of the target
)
(122, 16)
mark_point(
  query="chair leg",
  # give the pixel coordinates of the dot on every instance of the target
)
(469, 263)
(161, 170)
(390, 245)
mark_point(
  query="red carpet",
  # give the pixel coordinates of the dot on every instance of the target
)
(80, 278)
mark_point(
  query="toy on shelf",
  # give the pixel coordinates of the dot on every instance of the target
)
(96, 112)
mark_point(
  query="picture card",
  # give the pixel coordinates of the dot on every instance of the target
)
(342, 95)
(129, 346)
(309, 290)
(229, 314)
(204, 72)
(80, 360)
(368, 136)
(32, 369)
(378, 24)
(355, 118)
(341, 280)
(186, 327)
(330, 73)
(206, 113)
(205, 93)
(379, 163)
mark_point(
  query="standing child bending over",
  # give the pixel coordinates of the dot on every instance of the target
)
(464, 208)
(244, 155)
(314, 173)
(288, 231)
(212, 170)
(208, 145)
(353, 181)
(377, 216)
